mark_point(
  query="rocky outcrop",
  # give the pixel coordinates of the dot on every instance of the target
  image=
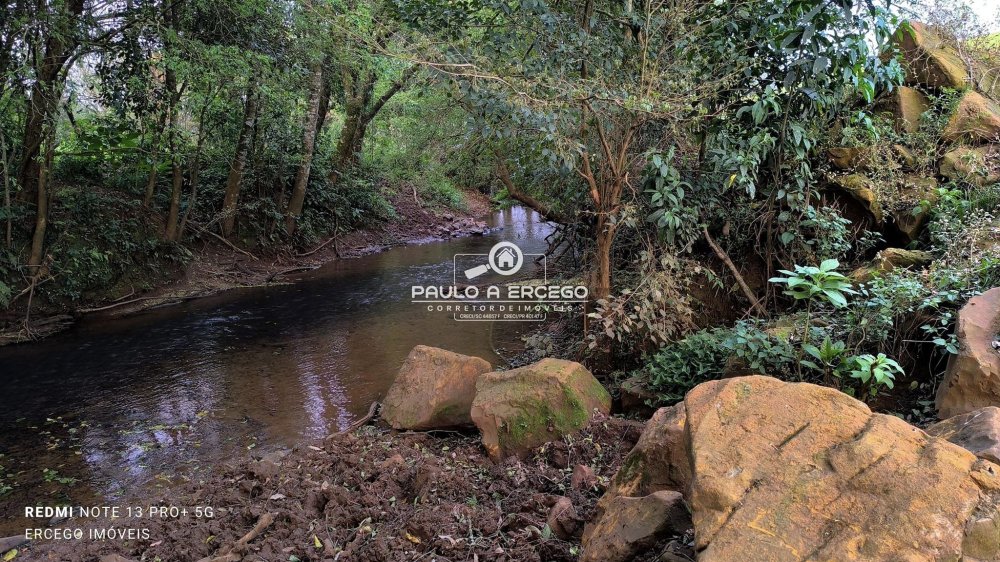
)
(930, 61)
(978, 166)
(524, 408)
(793, 471)
(908, 105)
(860, 189)
(634, 524)
(977, 431)
(434, 389)
(918, 195)
(972, 379)
(975, 120)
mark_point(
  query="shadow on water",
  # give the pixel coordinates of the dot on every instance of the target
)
(127, 404)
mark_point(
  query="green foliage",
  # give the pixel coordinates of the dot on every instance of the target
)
(875, 371)
(821, 283)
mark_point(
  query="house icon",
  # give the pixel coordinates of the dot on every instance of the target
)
(506, 259)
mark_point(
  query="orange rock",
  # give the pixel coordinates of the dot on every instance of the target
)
(634, 524)
(977, 431)
(659, 461)
(434, 389)
(908, 105)
(794, 471)
(929, 60)
(972, 379)
(524, 408)
(976, 119)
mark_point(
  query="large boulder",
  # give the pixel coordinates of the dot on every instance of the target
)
(635, 524)
(977, 431)
(658, 461)
(524, 408)
(908, 105)
(975, 120)
(972, 379)
(794, 471)
(434, 389)
(978, 166)
(929, 60)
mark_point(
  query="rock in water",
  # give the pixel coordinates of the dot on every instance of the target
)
(632, 525)
(794, 471)
(972, 379)
(434, 389)
(524, 408)
(977, 431)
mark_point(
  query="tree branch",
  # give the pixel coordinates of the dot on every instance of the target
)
(547, 212)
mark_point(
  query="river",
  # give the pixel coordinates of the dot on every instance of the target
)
(114, 409)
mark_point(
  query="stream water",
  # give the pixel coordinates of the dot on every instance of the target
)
(115, 408)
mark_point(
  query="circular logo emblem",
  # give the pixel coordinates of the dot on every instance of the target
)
(506, 258)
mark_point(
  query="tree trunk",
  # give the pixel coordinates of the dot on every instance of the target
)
(45, 93)
(177, 173)
(147, 199)
(42, 212)
(298, 196)
(239, 161)
(600, 277)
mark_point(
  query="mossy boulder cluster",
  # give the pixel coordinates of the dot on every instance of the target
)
(793, 472)
(515, 410)
(965, 149)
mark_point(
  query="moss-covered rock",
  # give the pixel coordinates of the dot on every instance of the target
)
(975, 120)
(860, 189)
(978, 166)
(524, 408)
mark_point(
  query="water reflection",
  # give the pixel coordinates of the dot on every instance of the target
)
(118, 404)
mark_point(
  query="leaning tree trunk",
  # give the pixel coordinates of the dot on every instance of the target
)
(298, 196)
(239, 161)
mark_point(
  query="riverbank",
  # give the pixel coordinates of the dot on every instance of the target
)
(217, 265)
(379, 495)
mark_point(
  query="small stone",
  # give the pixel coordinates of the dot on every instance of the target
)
(583, 478)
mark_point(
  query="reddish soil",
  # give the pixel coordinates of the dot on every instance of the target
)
(375, 495)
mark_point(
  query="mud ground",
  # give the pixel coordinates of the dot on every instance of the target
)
(377, 495)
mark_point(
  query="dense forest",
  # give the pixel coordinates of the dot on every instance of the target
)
(804, 189)
(689, 152)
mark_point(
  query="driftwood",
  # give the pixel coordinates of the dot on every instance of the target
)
(291, 270)
(232, 553)
(364, 419)
(320, 247)
(167, 298)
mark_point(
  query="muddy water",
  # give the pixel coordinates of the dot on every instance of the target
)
(114, 409)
